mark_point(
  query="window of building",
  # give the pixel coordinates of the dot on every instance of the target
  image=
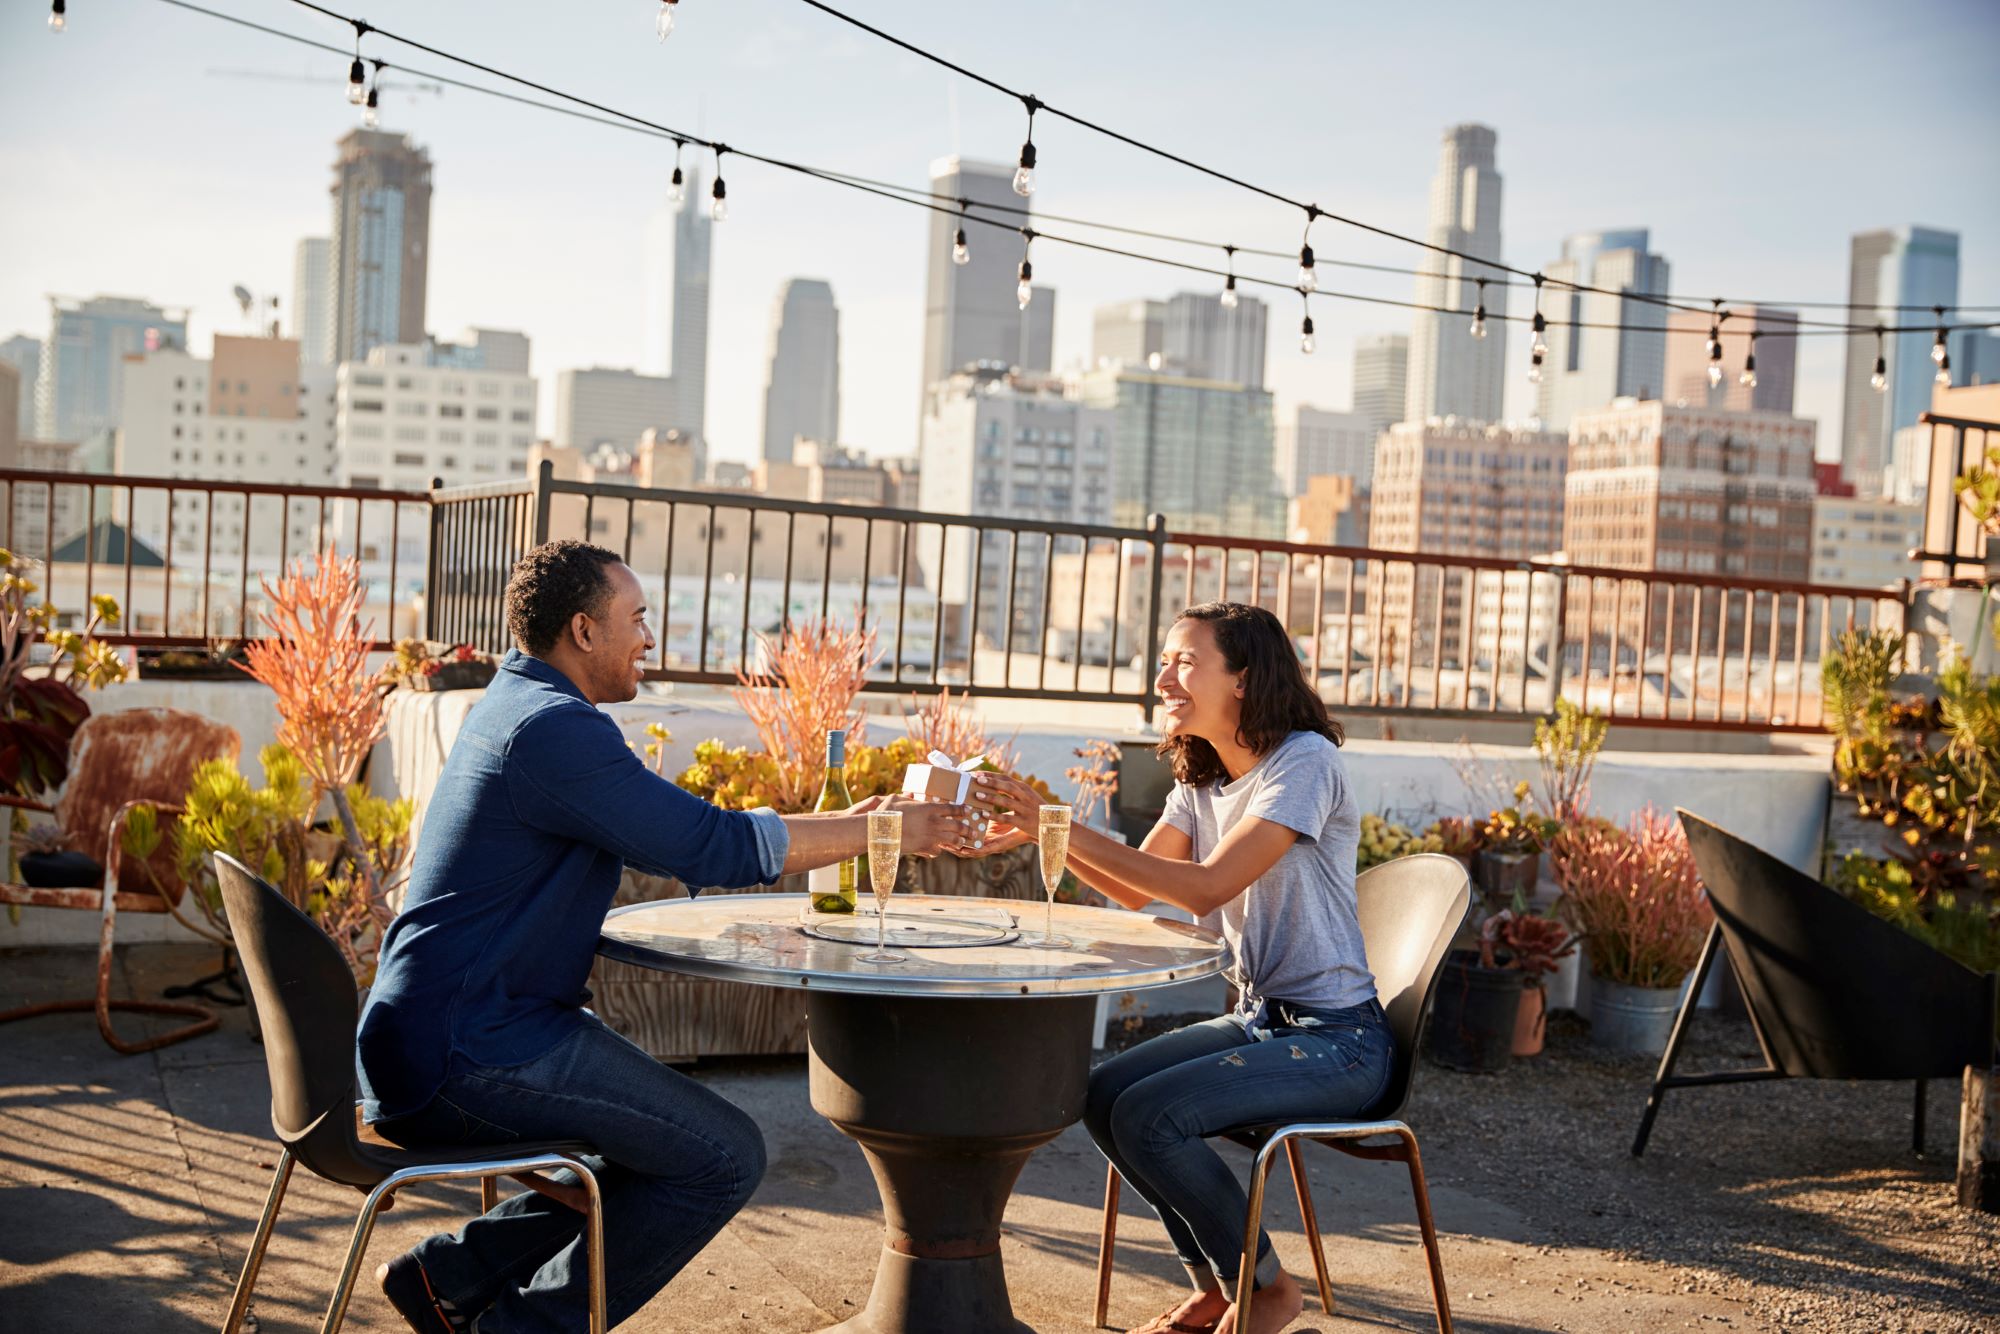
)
(487, 414)
(451, 410)
(408, 460)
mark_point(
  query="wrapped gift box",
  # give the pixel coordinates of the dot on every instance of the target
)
(942, 779)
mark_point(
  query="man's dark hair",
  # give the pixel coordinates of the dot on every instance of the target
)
(550, 585)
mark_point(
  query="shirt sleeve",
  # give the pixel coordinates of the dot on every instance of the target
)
(571, 773)
(1179, 811)
(1300, 787)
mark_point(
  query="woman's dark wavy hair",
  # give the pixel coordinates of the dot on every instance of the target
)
(1277, 698)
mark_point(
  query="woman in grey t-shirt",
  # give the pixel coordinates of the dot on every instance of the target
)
(1258, 841)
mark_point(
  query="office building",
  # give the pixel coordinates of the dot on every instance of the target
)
(312, 286)
(1777, 360)
(24, 354)
(80, 382)
(1862, 541)
(1381, 375)
(504, 350)
(1890, 268)
(378, 258)
(401, 419)
(1128, 333)
(1320, 443)
(1451, 373)
(1587, 367)
(1200, 452)
(802, 377)
(971, 312)
(607, 406)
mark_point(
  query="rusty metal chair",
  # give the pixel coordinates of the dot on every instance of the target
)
(119, 761)
(1409, 911)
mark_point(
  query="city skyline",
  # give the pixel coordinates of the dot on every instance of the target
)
(538, 224)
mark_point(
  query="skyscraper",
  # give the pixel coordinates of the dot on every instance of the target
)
(608, 406)
(971, 310)
(1201, 453)
(1209, 341)
(1777, 360)
(1588, 367)
(1381, 377)
(1895, 266)
(80, 383)
(692, 241)
(1128, 333)
(802, 386)
(24, 354)
(379, 256)
(310, 287)
(1451, 372)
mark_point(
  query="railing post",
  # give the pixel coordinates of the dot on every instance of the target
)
(1156, 526)
(1561, 649)
(545, 475)
(433, 591)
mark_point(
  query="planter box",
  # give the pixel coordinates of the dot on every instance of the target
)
(680, 1019)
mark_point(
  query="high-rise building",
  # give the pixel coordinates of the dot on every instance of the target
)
(1199, 452)
(1975, 357)
(1586, 368)
(1206, 340)
(312, 284)
(402, 419)
(1381, 373)
(1004, 444)
(1320, 443)
(378, 259)
(1331, 511)
(504, 350)
(604, 406)
(1128, 333)
(802, 384)
(1892, 267)
(10, 415)
(693, 242)
(80, 383)
(24, 354)
(1453, 374)
(1862, 541)
(1777, 360)
(971, 311)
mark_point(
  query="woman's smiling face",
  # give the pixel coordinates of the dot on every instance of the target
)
(1203, 697)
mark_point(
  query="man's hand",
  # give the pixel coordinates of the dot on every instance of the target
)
(931, 827)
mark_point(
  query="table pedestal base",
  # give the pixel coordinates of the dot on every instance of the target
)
(947, 1098)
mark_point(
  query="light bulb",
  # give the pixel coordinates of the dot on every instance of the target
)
(1479, 321)
(1943, 377)
(1306, 343)
(718, 201)
(371, 116)
(1879, 381)
(357, 83)
(677, 188)
(1937, 349)
(1714, 374)
(1748, 379)
(1024, 293)
(1308, 280)
(1714, 345)
(1540, 347)
(1229, 298)
(56, 20)
(1535, 366)
(1024, 175)
(960, 252)
(663, 22)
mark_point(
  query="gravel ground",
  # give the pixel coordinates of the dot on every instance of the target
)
(1799, 1199)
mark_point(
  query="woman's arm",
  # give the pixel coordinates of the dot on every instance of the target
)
(1246, 852)
(1163, 840)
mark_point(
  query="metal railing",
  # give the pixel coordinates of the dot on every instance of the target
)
(1003, 607)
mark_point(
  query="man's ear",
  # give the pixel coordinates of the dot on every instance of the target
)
(582, 630)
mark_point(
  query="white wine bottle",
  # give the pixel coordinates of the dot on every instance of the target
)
(833, 887)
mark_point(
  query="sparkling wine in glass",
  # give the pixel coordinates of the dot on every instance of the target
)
(1053, 834)
(885, 853)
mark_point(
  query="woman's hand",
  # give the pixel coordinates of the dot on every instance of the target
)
(1007, 799)
(1005, 839)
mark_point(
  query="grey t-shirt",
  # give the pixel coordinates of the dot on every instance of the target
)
(1293, 931)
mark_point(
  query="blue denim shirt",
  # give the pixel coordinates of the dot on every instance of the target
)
(540, 807)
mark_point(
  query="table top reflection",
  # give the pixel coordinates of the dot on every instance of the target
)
(761, 938)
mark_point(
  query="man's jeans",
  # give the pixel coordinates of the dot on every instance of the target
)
(1151, 1108)
(677, 1163)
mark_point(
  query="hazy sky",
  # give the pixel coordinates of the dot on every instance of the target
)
(1752, 139)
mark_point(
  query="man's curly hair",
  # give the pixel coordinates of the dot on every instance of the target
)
(550, 585)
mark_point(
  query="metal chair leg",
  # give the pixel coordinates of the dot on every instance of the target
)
(1107, 1234)
(1311, 1220)
(489, 1194)
(239, 1301)
(1423, 1201)
(350, 1269)
(1253, 1224)
(593, 1231)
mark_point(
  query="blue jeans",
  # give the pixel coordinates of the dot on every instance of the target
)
(677, 1163)
(1151, 1108)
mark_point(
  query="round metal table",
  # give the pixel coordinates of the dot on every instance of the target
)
(948, 1070)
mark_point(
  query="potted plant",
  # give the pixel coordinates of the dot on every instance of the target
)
(1475, 1013)
(1635, 894)
(1383, 840)
(1460, 838)
(1510, 850)
(221, 660)
(423, 664)
(1535, 945)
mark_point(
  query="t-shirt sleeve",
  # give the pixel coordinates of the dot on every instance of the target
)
(1301, 788)
(1179, 810)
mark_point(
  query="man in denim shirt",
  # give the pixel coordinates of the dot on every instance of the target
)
(475, 1031)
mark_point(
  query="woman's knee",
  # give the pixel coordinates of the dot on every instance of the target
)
(742, 1143)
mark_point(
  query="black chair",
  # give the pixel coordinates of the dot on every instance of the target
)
(1409, 909)
(1833, 991)
(306, 1003)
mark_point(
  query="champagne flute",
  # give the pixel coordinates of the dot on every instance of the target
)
(1053, 834)
(885, 853)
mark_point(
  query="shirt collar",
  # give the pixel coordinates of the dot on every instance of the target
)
(526, 664)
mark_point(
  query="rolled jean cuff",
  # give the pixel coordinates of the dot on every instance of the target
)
(1201, 1276)
(1265, 1274)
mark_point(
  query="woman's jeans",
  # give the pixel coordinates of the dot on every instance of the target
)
(1151, 1108)
(677, 1162)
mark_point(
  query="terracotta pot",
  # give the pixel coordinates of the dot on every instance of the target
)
(1531, 1021)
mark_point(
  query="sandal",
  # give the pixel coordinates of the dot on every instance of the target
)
(1164, 1323)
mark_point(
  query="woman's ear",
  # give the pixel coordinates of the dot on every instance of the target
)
(1241, 679)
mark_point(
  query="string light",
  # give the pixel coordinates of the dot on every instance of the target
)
(1943, 377)
(1748, 379)
(357, 73)
(718, 194)
(1024, 291)
(1479, 311)
(1229, 279)
(370, 114)
(961, 253)
(1306, 343)
(663, 22)
(1024, 175)
(1879, 379)
(1715, 345)
(1540, 347)
(57, 21)
(677, 186)
(1308, 279)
